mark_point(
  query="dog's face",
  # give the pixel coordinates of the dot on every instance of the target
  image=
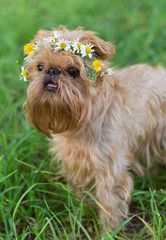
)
(59, 96)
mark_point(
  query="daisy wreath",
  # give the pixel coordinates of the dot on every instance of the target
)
(75, 47)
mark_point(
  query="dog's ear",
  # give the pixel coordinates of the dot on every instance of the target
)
(102, 49)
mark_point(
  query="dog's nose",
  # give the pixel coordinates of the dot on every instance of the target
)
(52, 72)
(50, 80)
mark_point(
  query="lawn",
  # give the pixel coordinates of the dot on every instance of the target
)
(35, 201)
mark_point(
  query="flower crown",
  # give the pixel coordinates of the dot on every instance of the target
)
(75, 47)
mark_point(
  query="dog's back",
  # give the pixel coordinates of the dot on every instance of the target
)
(145, 104)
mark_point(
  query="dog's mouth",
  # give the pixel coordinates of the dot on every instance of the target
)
(51, 86)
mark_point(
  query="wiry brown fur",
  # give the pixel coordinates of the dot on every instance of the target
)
(99, 129)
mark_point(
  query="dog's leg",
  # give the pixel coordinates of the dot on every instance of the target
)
(113, 194)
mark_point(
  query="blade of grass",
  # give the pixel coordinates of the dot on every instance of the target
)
(52, 229)
(79, 223)
(44, 227)
(56, 219)
(7, 176)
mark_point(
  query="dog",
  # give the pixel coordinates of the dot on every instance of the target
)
(99, 120)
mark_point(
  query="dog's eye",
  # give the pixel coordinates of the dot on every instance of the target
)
(40, 67)
(73, 72)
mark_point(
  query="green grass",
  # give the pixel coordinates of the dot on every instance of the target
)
(35, 202)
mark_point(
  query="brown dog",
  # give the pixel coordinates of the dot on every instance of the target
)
(99, 122)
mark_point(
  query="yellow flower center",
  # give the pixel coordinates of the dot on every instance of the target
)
(88, 50)
(79, 45)
(97, 65)
(24, 73)
(28, 48)
(62, 45)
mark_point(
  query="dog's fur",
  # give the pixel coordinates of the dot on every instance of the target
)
(98, 129)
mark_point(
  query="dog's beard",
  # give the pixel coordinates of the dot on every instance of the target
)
(64, 109)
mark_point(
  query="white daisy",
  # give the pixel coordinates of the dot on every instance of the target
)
(62, 45)
(57, 34)
(24, 74)
(25, 59)
(36, 46)
(86, 50)
(49, 40)
(76, 46)
(108, 71)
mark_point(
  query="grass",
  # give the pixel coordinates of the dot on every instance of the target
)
(35, 202)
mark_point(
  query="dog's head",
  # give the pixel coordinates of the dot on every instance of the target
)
(60, 91)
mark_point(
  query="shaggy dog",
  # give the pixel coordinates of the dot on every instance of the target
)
(99, 121)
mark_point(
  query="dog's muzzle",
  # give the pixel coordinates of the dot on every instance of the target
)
(50, 80)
